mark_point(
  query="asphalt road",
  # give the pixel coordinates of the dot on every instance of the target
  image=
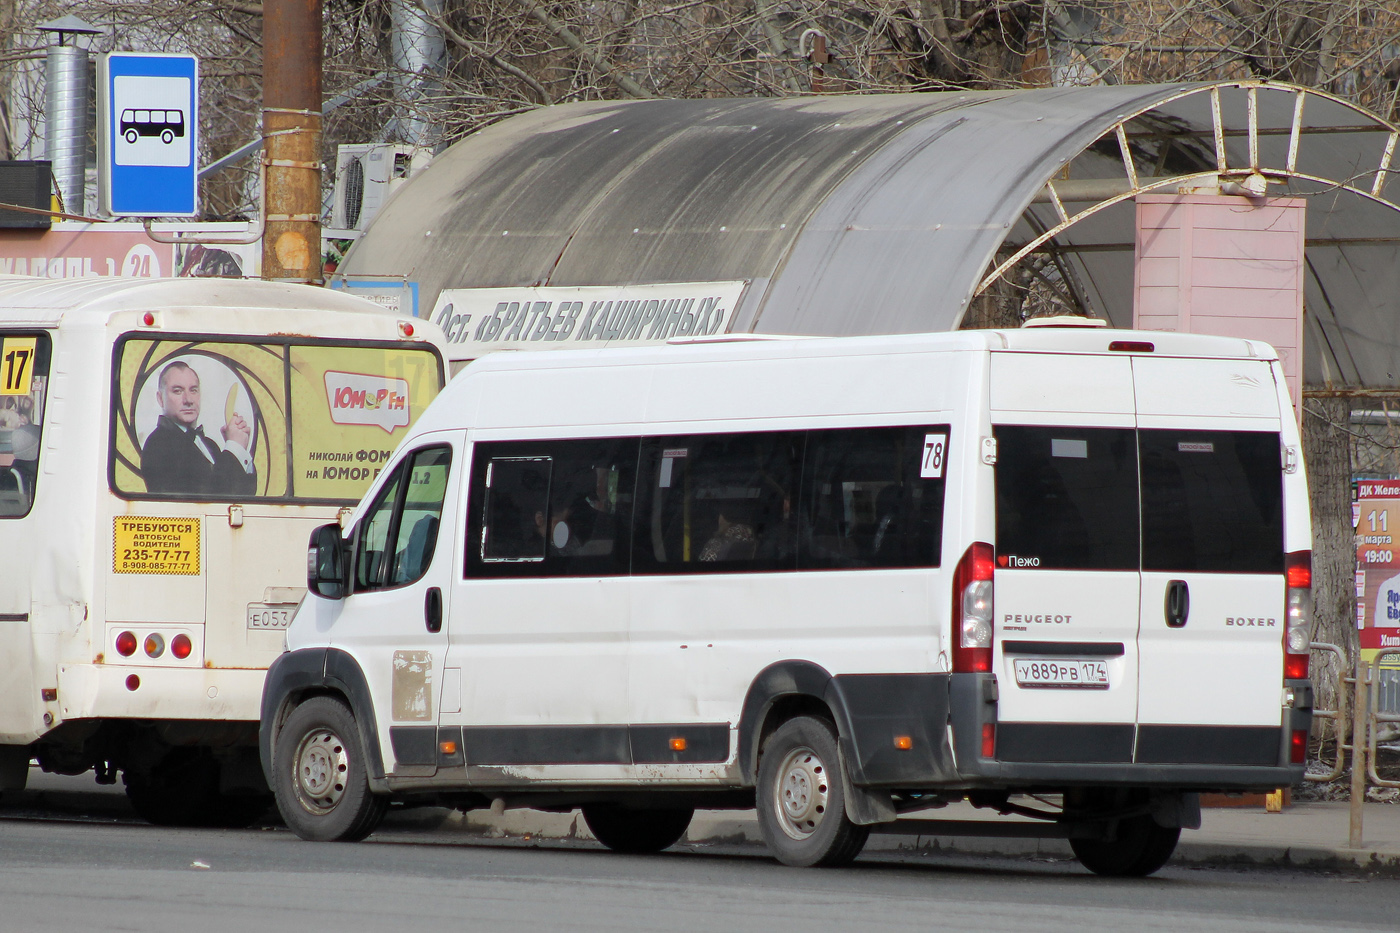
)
(65, 865)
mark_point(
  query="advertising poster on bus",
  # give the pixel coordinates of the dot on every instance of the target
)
(231, 419)
(1378, 569)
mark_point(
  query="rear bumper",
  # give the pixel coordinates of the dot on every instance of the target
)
(101, 691)
(1204, 758)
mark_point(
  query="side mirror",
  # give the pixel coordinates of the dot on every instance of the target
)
(326, 563)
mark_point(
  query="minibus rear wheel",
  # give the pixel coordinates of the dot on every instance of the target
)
(319, 775)
(1139, 848)
(624, 830)
(802, 797)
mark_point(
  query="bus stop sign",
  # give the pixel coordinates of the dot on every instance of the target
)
(148, 134)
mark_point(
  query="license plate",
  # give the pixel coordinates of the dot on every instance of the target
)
(270, 615)
(1063, 673)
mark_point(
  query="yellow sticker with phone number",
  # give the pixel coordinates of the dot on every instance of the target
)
(155, 545)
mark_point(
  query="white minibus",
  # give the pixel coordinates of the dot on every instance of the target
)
(165, 448)
(1060, 572)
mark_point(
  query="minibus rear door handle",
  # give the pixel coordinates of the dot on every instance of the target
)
(1178, 605)
(432, 609)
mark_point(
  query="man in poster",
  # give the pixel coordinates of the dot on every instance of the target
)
(178, 458)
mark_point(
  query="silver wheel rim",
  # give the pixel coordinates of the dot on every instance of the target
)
(803, 793)
(322, 767)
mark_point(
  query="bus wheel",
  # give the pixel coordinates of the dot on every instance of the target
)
(802, 799)
(131, 136)
(167, 137)
(624, 830)
(181, 789)
(1140, 848)
(319, 775)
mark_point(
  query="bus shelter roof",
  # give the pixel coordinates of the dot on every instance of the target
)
(892, 213)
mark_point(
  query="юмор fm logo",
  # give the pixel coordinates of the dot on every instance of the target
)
(358, 398)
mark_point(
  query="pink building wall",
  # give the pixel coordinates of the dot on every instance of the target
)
(1225, 265)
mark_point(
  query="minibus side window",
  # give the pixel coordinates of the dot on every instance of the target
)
(552, 508)
(718, 503)
(24, 379)
(372, 541)
(1067, 498)
(1212, 500)
(516, 504)
(416, 534)
(873, 497)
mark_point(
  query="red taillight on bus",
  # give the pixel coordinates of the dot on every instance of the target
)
(972, 610)
(180, 646)
(989, 740)
(1298, 747)
(1297, 631)
(126, 644)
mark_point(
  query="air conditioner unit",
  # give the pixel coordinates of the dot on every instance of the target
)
(366, 174)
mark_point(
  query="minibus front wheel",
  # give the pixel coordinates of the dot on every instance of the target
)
(802, 796)
(319, 775)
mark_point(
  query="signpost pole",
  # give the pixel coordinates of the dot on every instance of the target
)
(1359, 712)
(292, 135)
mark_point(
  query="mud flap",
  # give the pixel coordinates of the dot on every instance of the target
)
(864, 807)
(1171, 809)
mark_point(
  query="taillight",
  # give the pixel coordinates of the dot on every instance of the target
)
(1298, 747)
(972, 610)
(155, 646)
(1297, 632)
(126, 644)
(989, 740)
(180, 646)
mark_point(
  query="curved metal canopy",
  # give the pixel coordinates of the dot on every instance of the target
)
(890, 214)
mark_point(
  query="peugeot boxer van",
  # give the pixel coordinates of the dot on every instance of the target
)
(1061, 573)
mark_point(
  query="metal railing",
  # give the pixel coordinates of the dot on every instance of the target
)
(1341, 722)
(1378, 715)
(1364, 694)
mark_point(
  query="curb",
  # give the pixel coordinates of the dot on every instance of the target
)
(730, 832)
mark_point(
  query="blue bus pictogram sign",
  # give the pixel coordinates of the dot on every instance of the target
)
(148, 124)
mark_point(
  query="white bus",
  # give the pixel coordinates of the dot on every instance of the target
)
(839, 580)
(165, 448)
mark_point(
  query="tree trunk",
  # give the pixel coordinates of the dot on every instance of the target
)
(1327, 451)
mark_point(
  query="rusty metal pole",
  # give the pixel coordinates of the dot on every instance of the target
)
(1359, 715)
(292, 140)
(819, 59)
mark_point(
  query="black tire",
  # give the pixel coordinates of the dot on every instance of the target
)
(637, 831)
(240, 812)
(131, 136)
(181, 789)
(1140, 848)
(802, 797)
(319, 775)
(167, 137)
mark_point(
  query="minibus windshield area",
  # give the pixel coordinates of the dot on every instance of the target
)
(24, 378)
(213, 417)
